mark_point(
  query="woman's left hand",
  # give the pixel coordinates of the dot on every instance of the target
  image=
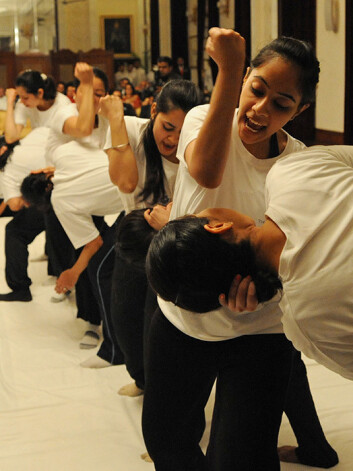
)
(241, 296)
(66, 281)
(158, 216)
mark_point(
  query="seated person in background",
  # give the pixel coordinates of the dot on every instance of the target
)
(165, 72)
(304, 247)
(146, 106)
(140, 73)
(181, 69)
(60, 87)
(131, 97)
(119, 74)
(70, 91)
(128, 108)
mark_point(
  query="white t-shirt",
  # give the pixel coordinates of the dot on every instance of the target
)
(56, 137)
(135, 128)
(27, 156)
(310, 197)
(242, 189)
(82, 189)
(37, 117)
(3, 103)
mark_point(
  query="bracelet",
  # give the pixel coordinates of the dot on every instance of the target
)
(120, 146)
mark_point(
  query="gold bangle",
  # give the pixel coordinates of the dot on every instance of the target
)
(120, 146)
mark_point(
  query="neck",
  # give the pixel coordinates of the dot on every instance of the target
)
(45, 105)
(268, 241)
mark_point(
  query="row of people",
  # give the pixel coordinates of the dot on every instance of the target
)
(174, 355)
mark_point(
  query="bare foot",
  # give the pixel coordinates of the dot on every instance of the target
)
(146, 457)
(287, 454)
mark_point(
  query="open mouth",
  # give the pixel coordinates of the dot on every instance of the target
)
(253, 126)
(169, 147)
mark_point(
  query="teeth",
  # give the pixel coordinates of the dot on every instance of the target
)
(253, 125)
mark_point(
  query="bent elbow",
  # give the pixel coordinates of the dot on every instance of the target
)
(127, 187)
(207, 181)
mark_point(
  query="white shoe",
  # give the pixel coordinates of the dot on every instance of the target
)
(59, 297)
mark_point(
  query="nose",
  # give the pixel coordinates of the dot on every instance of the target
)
(173, 139)
(261, 107)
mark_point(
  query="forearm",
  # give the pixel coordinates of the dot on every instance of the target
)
(210, 151)
(12, 130)
(83, 124)
(86, 254)
(122, 162)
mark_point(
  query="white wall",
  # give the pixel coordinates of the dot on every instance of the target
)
(331, 54)
(264, 23)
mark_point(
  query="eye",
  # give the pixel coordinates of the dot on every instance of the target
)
(281, 107)
(256, 92)
(167, 128)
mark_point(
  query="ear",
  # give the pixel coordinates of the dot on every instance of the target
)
(40, 93)
(246, 76)
(153, 110)
(300, 110)
(218, 228)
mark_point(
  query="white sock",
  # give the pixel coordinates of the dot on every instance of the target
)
(95, 362)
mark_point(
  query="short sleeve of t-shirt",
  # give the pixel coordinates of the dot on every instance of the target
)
(191, 128)
(61, 115)
(21, 114)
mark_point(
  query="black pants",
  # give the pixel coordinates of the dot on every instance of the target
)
(25, 226)
(128, 311)
(99, 278)
(60, 251)
(252, 376)
(313, 448)
(19, 233)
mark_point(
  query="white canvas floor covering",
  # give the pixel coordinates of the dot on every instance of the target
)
(58, 416)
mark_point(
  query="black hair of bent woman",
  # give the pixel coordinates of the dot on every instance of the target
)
(4, 158)
(133, 238)
(32, 81)
(298, 52)
(191, 267)
(176, 94)
(99, 74)
(36, 189)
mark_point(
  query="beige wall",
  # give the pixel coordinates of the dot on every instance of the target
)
(331, 53)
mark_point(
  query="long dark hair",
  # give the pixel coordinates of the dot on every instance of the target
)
(298, 52)
(4, 158)
(32, 81)
(176, 94)
(191, 267)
